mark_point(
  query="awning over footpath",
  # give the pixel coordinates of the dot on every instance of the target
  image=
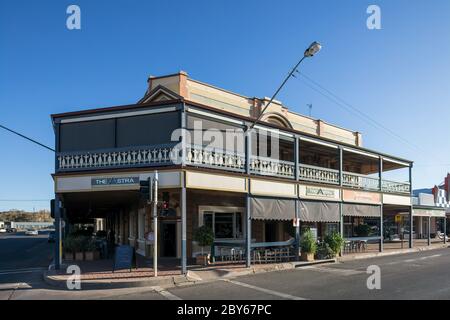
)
(429, 212)
(317, 211)
(272, 208)
(361, 210)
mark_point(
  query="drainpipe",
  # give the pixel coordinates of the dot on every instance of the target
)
(429, 230)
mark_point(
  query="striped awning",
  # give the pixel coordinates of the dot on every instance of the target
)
(318, 211)
(272, 208)
(440, 213)
(361, 210)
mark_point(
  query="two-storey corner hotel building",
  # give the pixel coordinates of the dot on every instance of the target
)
(319, 176)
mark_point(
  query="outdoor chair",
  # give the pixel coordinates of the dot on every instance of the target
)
(441, 235)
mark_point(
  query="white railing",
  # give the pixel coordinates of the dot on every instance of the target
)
(272, 167)
(393, 186)
(214, 158)
(360, 181)
(129, 157)
(318, 174)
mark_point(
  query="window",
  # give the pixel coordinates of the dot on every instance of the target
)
(141, 224)
(225, 225)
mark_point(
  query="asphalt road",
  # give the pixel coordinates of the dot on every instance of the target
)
(422, 275)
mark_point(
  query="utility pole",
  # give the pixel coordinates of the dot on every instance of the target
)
(309, 109)
(155, 224)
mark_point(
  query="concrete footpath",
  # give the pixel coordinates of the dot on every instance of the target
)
(98, 278)
(93, 280)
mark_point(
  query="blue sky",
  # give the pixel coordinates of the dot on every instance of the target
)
(398, 75)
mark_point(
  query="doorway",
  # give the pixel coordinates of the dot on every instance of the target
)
(270, 231)
(168, 239)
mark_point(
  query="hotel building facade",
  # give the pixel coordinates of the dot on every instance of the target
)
(320, 176)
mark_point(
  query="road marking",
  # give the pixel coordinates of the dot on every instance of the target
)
(18, 271)
(14, 286)
(343, 272)
(415, 259)
(166, 294)
(272, 292)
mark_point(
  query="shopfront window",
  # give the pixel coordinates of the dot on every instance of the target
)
(225, 225)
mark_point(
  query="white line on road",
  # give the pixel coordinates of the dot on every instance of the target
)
(272, 292)
(343, 272)
(18, 271)
(166, 294)
(415, 259)
(14, 286)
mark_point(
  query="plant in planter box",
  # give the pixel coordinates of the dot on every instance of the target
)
(324, 251)
(68, 248)
(335, 242)
(363, 230)
(308, 246)
(204, 236)
(90, 250)
(79, 247)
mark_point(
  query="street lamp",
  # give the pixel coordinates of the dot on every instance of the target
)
(310, 52)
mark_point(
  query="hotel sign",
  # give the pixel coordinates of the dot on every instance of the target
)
(314, 192)
(361, 197)
(114, 181)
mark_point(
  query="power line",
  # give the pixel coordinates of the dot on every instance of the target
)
(343, 104)
(23, 200)
(27, 138)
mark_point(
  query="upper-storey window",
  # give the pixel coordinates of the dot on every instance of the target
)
(152, 129)
(215, 134)
(89, 135)
(142, 130)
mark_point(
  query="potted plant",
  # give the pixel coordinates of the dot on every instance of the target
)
(363, 230)
(90, 248)
(68, 248)
(79, 247)
(324, 251)
(335, 242)
(308, 246)
(204, 236)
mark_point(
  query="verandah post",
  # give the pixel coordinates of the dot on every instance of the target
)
(411, 217)
(248, 220)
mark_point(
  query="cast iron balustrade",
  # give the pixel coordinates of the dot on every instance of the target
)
(208, 157)
(272, 167)
(393, 186)
(359, 181)
(352, 180)
(318, 174)
(117, 158)
(214, 158)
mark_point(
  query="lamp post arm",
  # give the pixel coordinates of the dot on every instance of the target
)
(276, 93)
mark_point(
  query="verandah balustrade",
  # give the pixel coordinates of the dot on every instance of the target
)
(201, 156)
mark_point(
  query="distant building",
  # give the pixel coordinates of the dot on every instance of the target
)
(31, 225)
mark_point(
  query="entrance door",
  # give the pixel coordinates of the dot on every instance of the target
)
(270, 231)
(169, 236)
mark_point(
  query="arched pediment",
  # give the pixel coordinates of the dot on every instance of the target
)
(277, 119)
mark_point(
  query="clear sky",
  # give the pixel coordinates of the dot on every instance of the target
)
(398, 75)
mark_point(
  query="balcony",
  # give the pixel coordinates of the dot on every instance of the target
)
(200, 156)
(116, 158)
